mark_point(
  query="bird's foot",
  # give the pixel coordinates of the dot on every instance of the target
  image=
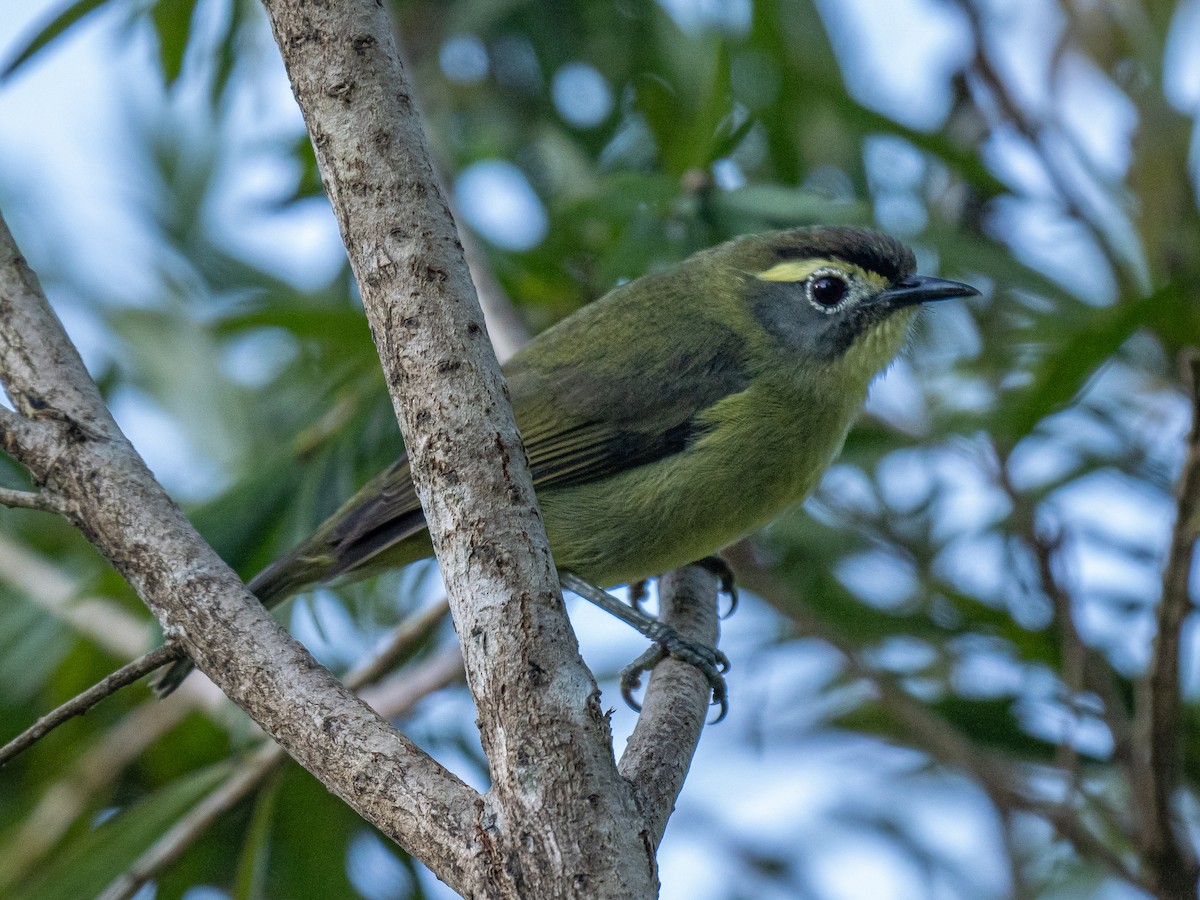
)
(725, 579)
(173, 677)
(639, 590)
(711, 663)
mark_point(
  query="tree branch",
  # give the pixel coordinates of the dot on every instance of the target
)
(1157, 752)
(64, 801)
(1084, 668)
(401, 643)
(81, 703)
(39, 500)
(190, 827)
(91, 772)
(659, 752)
(925, 729)
(15, 430)
(113, 498)
(545, 825)
(507, 332)
(425, 678)
(1075, 201)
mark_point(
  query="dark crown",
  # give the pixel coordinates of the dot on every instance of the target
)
(870, 250)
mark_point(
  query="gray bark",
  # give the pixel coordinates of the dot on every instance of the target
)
(559, 820)
(64, 435)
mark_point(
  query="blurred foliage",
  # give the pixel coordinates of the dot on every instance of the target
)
(967, 551)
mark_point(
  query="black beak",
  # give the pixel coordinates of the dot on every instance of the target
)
(922, 289)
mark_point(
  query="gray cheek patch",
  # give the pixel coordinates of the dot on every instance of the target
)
(784, 312)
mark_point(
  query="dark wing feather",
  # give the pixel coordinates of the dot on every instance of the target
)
(388, 497)
(627, 410)
(638, 394)
(593, 451)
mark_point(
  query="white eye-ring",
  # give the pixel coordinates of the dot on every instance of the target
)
(827, 290)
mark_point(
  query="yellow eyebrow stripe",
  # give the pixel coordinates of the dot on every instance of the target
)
(798, 269)
(794, 269)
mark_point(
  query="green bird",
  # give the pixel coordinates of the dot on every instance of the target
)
(672, 417)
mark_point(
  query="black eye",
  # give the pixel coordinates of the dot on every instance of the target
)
(827, 290)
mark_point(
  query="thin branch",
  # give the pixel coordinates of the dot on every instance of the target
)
(1013, 853)
(402, 642)
(44, 501)
(505, 328)
(81, 703)
(15, 429)
(190, 827)
(200, 602)
(1074, 201)
(398, 694)
(659, 752)
(91, 771)
(399, 644)
(998, 777)
(926, 730)
(1158, 753)
(1063, 820)
(1084, 668)
(64, 801)
(425, 678)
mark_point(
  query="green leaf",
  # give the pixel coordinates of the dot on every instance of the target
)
(344, 325)
(993, 723)
(729, 136)
(1038, 646)
(57, 26)
(92, 862)
(250, 881)
(989, 723)
(308, 841)
(173, 25)
(32, 645)
(237, 521)
(1062, 375)
(656, 100)
(225, 56)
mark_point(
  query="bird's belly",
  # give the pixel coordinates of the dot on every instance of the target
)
(657, 517)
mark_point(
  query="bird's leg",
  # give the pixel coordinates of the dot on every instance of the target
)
(711, 662)
(725, 580)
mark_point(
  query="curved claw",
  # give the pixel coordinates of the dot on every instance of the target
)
(724, 574)
(638, 592)
(723, 700)
(627, 689)
(631, 675)
(711, 663)
(731, 592)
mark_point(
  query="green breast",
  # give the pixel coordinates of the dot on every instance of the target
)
(764, 450)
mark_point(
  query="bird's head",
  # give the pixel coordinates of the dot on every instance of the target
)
(834, 295)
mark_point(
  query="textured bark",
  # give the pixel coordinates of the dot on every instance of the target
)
(72, 447)
(559, 821)
(659, 751)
